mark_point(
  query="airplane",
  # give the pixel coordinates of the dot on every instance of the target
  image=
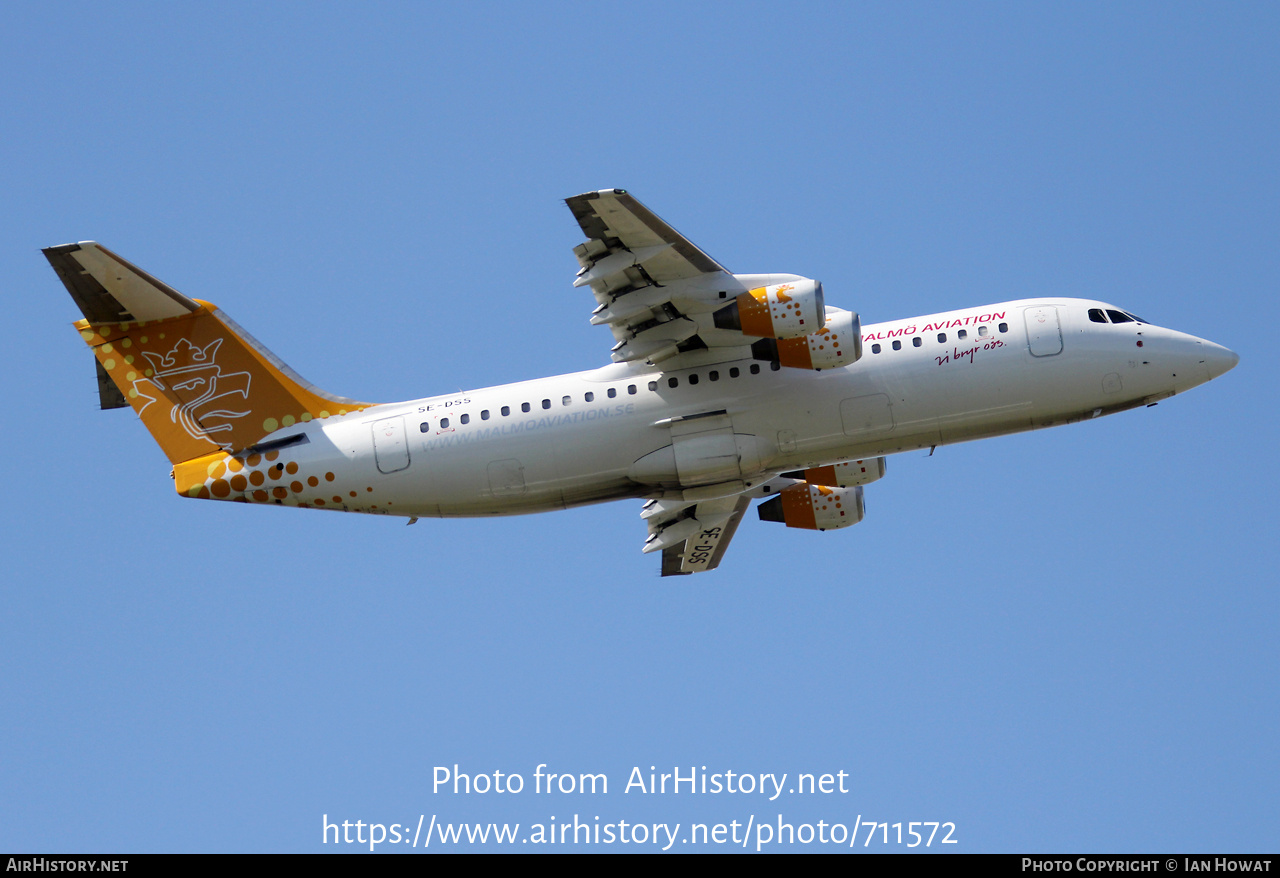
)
(723, 388)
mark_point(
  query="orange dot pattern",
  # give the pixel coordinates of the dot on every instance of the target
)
(779, 311)
(818, 507)
(141, 358)
(266, 478)
(844, 475)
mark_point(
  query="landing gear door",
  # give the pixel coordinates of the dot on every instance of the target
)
(1044, 335)
(390, 449)
(705, 449)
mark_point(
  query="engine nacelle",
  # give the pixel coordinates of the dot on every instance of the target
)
(849, 474)
(814, 507)
(839, 343)
(788, 310)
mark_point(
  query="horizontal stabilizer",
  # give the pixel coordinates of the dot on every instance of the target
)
(109, 396)
(108, 289)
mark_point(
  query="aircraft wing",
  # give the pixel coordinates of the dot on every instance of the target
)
(655, 289)
(615, 223)
(693, 536)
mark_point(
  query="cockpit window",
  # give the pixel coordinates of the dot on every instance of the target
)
(1096, 315)
(1118, 316)
(1135, 317)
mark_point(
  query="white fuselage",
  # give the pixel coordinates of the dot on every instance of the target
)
(575, 439)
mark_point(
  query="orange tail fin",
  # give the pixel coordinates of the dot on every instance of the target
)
(199, 382)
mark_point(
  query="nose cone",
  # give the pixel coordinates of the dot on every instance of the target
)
(1217, 359)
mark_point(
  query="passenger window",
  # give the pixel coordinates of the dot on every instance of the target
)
(713, 375)
(673, 381)
(875, 349)
(774, 366)
(566, 400)
(589, 397)
(942, 338)
(524, 406)
(484, 415)
(983, 332)
(693, 378)
(466, 419)
(546, 403)
(444, 423)
(1119, 316)
(1004, 327)
(964, 333)
(424, 427)
(733, 372)
(506, 411)
(755, 368)
(915, 342)
(613, 391)
(1096, 315)
(897, 345)
(631, 389)
(653, 385)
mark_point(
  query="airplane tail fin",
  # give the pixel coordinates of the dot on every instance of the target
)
(199, 382)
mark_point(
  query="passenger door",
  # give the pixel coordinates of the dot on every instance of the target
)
(1044, 334)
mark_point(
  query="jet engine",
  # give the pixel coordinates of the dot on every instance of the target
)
(843, 475)
(789, 310)
(814, 507)
(839, 343)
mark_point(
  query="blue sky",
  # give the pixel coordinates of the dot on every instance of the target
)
(1059, 641)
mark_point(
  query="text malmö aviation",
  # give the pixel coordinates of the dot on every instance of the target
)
(723, 388)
